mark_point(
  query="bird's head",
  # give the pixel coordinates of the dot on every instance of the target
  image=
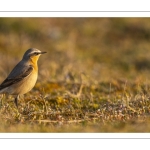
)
(32, 54)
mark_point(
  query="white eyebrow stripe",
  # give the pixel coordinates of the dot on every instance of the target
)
(39, 52)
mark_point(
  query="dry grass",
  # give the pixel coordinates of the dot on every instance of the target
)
(94, 78)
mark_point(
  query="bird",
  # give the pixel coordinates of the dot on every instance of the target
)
(23, 76)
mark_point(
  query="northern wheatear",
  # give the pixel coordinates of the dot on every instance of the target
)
(24, 75)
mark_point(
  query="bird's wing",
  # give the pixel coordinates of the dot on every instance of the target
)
(12, 80)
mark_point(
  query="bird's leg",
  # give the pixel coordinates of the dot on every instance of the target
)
(16, 100)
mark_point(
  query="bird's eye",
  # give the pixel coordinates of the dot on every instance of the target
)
(36, 53)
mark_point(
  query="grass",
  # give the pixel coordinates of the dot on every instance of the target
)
(94, 78)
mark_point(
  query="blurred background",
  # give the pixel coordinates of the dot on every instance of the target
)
(102, 48)
(96, 72)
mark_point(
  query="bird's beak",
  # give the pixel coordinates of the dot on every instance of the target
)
(43, 52)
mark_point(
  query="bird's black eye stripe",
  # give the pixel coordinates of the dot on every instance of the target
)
(36, 53)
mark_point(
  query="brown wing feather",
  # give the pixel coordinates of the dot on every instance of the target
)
(10, 81)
